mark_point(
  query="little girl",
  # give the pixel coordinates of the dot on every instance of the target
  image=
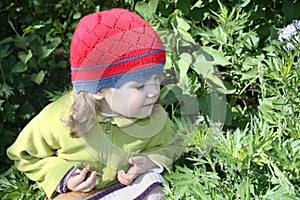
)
(107, 138)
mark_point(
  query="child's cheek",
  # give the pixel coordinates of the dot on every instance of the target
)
(136, 102)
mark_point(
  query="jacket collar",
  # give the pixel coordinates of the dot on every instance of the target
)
(120, 121)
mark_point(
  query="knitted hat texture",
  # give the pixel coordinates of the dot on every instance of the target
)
(112, 47)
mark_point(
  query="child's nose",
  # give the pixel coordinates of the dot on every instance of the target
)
(153, 90)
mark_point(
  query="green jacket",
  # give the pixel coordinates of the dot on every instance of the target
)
(45, 152)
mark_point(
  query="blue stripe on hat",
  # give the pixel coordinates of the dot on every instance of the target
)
(116, 81)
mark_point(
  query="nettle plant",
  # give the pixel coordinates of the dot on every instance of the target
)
(280, 97)
(249, 162)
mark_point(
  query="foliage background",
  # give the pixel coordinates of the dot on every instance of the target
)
(217, 50)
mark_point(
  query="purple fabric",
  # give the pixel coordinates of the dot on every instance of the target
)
(148, 190)
(106, 192)
(61, 188)
(114, 188)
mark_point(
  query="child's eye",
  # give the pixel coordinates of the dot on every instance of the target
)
(140, 87)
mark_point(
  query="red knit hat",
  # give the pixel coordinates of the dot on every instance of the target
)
(112, 47)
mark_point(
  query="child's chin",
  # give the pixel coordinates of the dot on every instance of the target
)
(144, 113)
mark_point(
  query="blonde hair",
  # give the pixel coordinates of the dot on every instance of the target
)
(82, 116)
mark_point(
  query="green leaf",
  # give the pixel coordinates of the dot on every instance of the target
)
(21, 42)
(182, 23)
(214, 106)
(218, 108)
(218, 56)
(168, 94)
(250, 74)
(184, 63)
(253, 41)
(32, 28)
(12, 26)
(189, 105)
(198, 4)
(184, 6)
(4, 51)
(209, 72)
(13, 195)
(203, 68)
(173, 93)
(7, 40)
(46, 50)
(186, 37)
(146, 10)
(1, 102)
(77, 15)
(39, 77)
(249, 63)
(25, 57)
(19, 67)
(6, 90)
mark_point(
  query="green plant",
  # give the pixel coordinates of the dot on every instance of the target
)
(245, 164)
(280, 96)
(15, 185)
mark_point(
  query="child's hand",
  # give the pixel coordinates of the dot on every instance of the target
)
(141, 164)
(78, 183)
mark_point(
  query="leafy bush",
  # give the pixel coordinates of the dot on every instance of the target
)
(244, 164)
(15, 185)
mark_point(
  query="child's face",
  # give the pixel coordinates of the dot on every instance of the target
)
(134, 99)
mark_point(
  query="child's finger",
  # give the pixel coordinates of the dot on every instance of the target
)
(136, 160)
(126, 178)
(88, 184)
(121, 178)
(84, 171)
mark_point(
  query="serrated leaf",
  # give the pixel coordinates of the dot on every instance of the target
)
(13, 195)
(6, 91)
(218, 56)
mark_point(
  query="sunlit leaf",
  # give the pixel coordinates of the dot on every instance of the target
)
(46, 50)
(39, 77)
(147, 10)
(218, 56)
(25, 57)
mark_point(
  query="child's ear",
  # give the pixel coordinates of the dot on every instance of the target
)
(99, 95)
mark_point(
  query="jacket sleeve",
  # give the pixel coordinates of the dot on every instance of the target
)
(34, 153)
(166, 146)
